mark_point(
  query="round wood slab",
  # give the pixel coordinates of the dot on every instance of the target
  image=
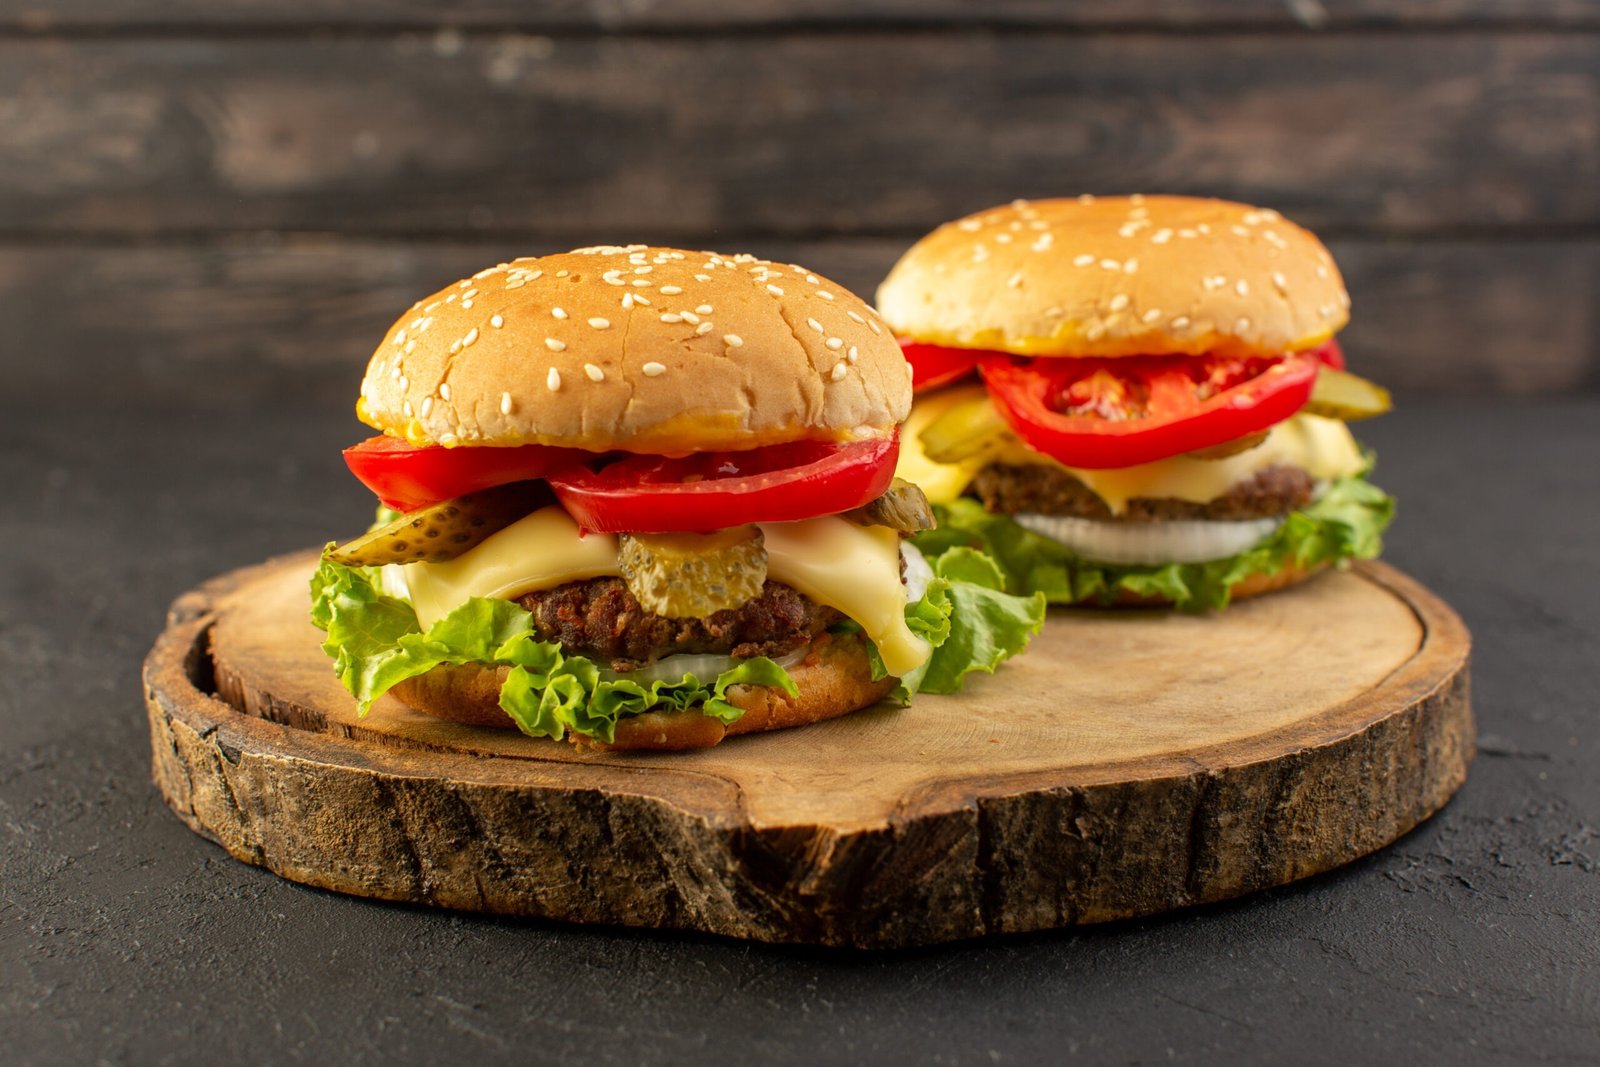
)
(1131, 762)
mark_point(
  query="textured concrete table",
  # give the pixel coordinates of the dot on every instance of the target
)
(123, 937)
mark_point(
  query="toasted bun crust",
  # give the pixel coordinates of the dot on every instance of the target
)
(1118, 276)
(638, 348)
(1254, 585)
(834, 680)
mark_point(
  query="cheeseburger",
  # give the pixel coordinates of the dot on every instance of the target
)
(1135, 399)
(644, 498)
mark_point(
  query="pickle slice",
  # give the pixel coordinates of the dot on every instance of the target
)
(903, 507)
(444, 530)
(1341, 395)
(967, 429)
(1230, 448)
(691, 575)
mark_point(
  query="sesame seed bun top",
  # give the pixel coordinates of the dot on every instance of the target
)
(638, 348)
(1118, 276)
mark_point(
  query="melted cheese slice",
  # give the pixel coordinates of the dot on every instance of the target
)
(837, 563)
(1322, 447)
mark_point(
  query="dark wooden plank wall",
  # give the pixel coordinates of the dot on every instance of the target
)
(230, 199)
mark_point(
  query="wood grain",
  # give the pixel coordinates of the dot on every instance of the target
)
(567, 15)
(1133, 762)
(251, 323)
(799, 134)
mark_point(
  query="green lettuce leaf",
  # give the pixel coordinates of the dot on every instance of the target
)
(376, 643)
(970, 620)
(1346, 523)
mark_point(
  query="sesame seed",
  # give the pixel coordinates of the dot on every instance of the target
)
(875, 327)
(668, 316)
(690, 317)
(554, 345)
(702, 277)
(404, 383)
(814, 324)
(427, 405)
(497, 321)
(732, 340)
(970, 225)
(834, 343)
(406, 407)
(627, 301)
(1161, 237)
(670, 290)
(595, 373)
(1186, 234)
(552, 381)
(654, 369)
(642, 270)
(449, 440)
(599, 323)
(1082, 261)
(1242, 287)
(641, 300)
(516, 283)
(455, 346)
(1002, 238)
(840, 370)
(1280, 281)
(1130, 266)
(853, 354)
(1110, 264)
(1241, 324)
(1240, 230)
(1152, 315)
(444, 390)
(472, 335)
(1086, 198)
(505, 403)
(856, 317)
(1015, 281)
(400, 338)
(704, 309)
(1272, 238)
(1136, 198)
(559, 313)
(824, 294)
(1322, 272)
(1095, 331)
(774, 290)
(702, 329)
(562, 273)
(1203, 228)
(1181, 322)
(1043, 243)
(1119, 302)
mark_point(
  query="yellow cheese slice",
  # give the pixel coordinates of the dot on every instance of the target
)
(837, 563)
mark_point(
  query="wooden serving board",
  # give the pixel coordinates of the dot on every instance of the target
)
(1131, 762)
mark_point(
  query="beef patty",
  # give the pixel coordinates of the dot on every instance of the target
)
(600, 619)
(1008, 489)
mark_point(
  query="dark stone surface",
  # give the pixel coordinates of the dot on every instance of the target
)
(125, 938)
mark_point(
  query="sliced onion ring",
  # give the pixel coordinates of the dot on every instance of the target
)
(1151, 543)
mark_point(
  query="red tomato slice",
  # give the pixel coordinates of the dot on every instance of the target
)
(1329, 353)
(1099, 413)
(715, 490)
(407, 477)
(935, 365)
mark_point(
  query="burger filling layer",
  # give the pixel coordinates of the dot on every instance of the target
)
(601, 620)
(838, 569)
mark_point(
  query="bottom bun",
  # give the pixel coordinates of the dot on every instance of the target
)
(1249, 586)
(834, 679)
